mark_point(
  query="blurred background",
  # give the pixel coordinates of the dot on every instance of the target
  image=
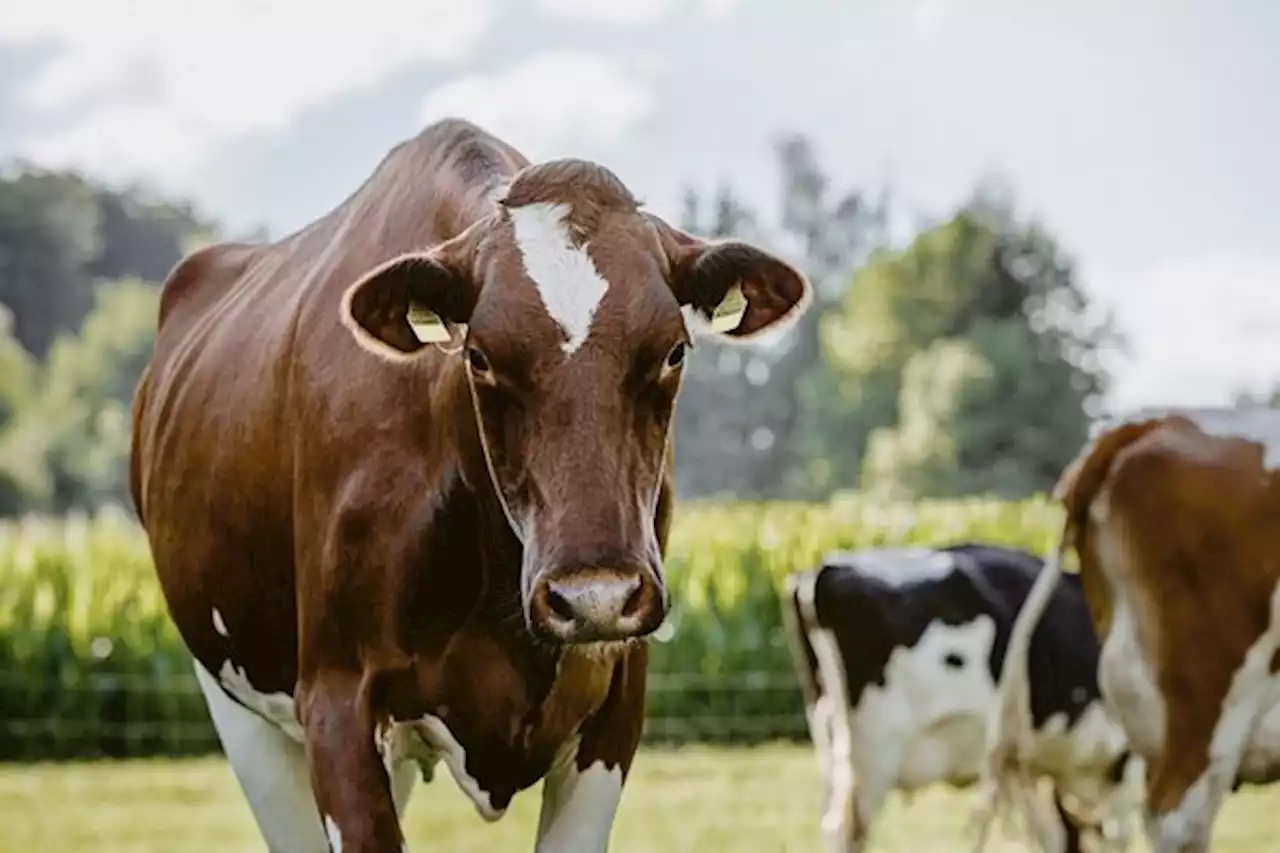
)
(1019, 217)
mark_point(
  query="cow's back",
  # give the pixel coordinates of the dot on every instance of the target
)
(871, 613)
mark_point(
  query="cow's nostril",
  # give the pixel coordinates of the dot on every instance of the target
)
(558, 604)
(633, 602)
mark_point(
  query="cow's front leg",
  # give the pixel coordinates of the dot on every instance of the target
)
(581, 793)
(579, 799)
(348, 777)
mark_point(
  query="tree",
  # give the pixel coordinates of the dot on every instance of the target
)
(48, 235)
(973, 354)
(82, 412)
(753, 419)
(61, 233)
(1259, 400)
(22, 472)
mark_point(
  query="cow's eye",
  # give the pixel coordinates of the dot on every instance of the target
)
(479, 363)
(675, 358)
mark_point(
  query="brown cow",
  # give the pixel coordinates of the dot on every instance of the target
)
(384, 552)
(1175, 520)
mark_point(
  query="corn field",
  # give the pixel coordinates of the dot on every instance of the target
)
(90, 664)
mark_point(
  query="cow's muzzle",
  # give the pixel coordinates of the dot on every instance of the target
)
(596, 603)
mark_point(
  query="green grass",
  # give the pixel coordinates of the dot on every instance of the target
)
(694, 799)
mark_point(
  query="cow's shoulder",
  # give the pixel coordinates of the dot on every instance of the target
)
(202, 274)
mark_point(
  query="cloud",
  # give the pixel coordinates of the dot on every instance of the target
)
(156, 83)
(1200, 328)
(545, 103)
(631, 12)
(930, 16)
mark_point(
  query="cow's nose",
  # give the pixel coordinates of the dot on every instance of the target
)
(593, 605)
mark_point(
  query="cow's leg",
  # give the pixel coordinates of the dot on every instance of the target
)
(1196, 770)
(840, 817)
(272, 771)
(872, 761)
(1043, 821)
(1124, 805)
(1204, 746)
(1198, 767)
(847, 815)
(348, 776)
(869, 795)
(578, 805)
(1070, 826)
(580, 794)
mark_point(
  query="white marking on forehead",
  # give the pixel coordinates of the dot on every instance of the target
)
(219, 625)
(335, 836)
(1257, 425)
(567, 280)
(898, 565)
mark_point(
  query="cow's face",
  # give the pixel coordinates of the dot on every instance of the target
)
(578, 309)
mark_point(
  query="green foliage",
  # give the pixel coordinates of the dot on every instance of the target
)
(48, 236)
(760, 421)
(970, 358)
(21, 473)
(80, 264)
(87, 393)
(62, 233)
(89, 657)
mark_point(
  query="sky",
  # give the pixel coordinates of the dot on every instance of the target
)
(1142, 134)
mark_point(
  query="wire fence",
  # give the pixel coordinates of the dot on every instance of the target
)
(122, 716)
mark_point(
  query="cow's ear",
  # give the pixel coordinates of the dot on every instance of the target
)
(735, 289)
(412, 301)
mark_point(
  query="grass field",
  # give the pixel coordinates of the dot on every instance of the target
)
(698, 799)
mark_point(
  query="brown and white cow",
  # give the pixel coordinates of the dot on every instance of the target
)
(1175, 519)
(406, 477)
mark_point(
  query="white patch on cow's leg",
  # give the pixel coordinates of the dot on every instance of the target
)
(272, 771)
(219, 625)
(1188, 828)
(821, 718)
(578, 807)
(839, 818)
(566, 278)
(839, 814)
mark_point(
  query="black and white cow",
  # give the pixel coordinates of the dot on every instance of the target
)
(899, 653)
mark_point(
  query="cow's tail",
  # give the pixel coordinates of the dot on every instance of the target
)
(1006, 786)
(1006, 782)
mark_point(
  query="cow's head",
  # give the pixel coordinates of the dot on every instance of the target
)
(579, 309)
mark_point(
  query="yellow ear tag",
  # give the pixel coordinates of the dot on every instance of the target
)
(427, 325)
(729, 312)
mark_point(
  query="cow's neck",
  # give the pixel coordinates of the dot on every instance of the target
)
(533, 694)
